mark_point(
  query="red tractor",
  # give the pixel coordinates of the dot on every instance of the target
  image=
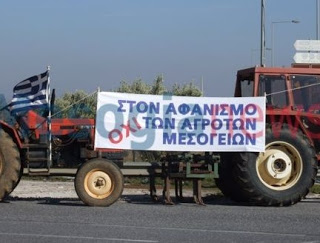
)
(282, 175)
(98, 181)
(285, 172)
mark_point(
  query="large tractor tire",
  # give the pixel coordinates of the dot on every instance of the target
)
(10, 165)
(283, 174)
(99, 182)
(226, 181)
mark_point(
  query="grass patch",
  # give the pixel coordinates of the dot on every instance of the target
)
(315, 189)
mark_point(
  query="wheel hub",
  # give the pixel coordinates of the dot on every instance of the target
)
(98, 184)
(278, 165)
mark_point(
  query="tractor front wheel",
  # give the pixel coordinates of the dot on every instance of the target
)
(99, 182)
(10, 165)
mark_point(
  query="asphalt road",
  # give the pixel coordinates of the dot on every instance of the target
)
(136, 219)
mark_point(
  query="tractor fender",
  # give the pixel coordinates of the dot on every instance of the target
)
(12, 132)
(292, 120)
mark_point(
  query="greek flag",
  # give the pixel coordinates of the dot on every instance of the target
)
(31, 93)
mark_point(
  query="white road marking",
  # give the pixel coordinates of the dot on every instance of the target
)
(76, 237)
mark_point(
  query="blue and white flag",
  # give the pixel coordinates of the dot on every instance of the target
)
(31, 93)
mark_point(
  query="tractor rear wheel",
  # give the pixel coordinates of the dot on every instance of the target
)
(226, 181)
(10, 165)
(283, 174)
(99, 182)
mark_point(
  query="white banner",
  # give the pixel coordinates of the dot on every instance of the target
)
(178, 123)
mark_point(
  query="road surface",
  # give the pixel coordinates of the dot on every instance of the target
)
(134, 218)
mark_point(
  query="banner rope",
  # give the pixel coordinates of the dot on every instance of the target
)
(287, 90)
(68, 107)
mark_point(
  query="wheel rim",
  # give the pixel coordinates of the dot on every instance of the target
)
(98, 184)
(280, 166)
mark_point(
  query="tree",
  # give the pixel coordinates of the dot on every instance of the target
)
(76, 105)
(140, 87)
(186, 90)
(82, 105)
(158, 88)
(137, 87)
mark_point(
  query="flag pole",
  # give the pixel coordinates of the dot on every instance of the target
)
(49, 123)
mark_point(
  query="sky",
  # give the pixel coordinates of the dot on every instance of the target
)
(97, 43)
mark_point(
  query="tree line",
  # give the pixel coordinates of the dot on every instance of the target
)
(80, 104)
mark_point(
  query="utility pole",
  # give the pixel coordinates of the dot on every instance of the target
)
(263, 41)
(318, 19)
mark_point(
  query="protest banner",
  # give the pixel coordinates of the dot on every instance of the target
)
(178, 123)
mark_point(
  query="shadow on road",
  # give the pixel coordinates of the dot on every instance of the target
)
(47, 200)
(208, 200)
(143, 199)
